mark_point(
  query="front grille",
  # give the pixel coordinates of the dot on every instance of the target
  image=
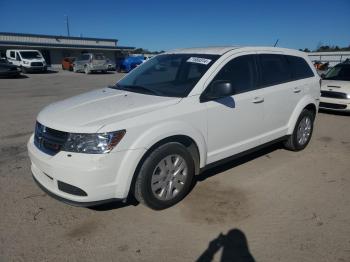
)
(332, 106)
(49, 140)
(332, 94)
(36, 64)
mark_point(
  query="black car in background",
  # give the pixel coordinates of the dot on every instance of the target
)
(7, 69)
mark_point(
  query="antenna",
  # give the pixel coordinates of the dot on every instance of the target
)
(276, 43)
(67, 23)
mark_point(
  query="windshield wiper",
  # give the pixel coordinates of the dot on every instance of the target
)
(137, 88)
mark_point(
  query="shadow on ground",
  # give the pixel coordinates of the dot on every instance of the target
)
(217, 169)
(131, 201)
(14, 77)
(332, 112)
(234, 247)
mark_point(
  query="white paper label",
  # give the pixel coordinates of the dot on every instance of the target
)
(199, 60)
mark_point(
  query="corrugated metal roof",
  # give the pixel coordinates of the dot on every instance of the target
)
(49, 45)
(58, 36)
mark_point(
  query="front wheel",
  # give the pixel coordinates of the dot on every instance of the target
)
(302, 132)
(87, 70)
(165, 176)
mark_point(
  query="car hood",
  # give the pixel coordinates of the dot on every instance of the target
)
(336, 85)
(89, 112)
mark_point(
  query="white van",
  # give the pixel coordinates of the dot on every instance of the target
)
(170, 118)
(27, 60)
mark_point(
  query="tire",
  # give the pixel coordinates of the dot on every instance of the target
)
(157, 175)
(24, 70)
(302, 133)
(86, 70)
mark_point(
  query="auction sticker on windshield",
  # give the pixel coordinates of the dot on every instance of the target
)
(199, 60)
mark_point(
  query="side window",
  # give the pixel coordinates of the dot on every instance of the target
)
(241, 72)
(86, 57)
(274, 69)
(12, 54)
(300, 67)
(18, 58)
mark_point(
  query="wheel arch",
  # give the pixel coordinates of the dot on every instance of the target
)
(306, 103)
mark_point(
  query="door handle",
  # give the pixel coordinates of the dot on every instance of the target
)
(296, 90)
(258, 100)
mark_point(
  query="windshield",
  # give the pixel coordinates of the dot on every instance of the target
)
(99, 57)
(339, 72)
(172, 75)
(30, 54)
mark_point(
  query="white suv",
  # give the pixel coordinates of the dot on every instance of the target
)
(168, 119)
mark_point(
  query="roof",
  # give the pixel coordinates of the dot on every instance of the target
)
(50, 45)
(59, 36)
(215, 50)
(329, 53)
(220, 50)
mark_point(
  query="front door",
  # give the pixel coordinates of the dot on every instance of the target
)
(235, 122)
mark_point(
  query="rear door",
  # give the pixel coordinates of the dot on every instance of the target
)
(280, 92)
(235, 122)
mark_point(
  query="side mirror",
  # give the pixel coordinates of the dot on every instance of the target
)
(323, 75)
(217, 89)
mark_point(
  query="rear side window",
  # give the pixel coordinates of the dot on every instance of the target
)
(241, 72)
(300, 67)
(12, 54)
(274, 69)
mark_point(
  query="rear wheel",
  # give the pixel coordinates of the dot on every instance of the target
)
(302, 132)
(165, 176)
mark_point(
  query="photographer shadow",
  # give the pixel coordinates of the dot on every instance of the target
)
(234, 245)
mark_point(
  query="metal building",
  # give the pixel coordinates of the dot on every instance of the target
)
(332, 57)
(54, 48)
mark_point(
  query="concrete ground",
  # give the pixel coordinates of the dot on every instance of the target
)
(274, 205)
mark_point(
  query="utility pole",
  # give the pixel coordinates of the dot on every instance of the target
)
(67, 23)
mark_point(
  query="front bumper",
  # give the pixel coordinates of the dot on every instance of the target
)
(335, 104)
(36, 68)
(102, 177)
(98, 67)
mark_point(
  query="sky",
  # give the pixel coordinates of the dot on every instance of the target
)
(163, 25)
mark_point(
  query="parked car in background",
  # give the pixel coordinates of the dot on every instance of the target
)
(27, 60)
(67, 63)
(111, 66)
(129, 63)
(90, 62)
(169, 119)
(335, 90)
(7, 69)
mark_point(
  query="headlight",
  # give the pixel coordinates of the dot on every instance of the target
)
(93, 143)
(25, 62)
(348, 96)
